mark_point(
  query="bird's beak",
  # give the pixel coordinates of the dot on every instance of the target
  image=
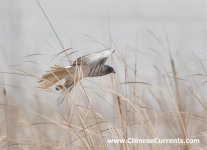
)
(113, 72)
(113, 50)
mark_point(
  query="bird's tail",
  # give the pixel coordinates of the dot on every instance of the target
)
(53, 75)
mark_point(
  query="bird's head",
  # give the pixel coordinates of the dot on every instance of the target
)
(107, 70)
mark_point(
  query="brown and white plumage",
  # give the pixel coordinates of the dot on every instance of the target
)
(91, 65)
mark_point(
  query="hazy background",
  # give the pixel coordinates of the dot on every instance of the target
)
(24, 29)
(127, 24)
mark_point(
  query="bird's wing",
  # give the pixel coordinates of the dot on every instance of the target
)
(55, 74)
(95, 60)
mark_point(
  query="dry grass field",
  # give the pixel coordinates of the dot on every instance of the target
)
(124, 105)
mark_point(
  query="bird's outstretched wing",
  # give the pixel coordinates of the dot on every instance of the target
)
(53, 75)
(95, 60)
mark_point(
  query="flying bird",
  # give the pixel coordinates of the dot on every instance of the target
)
(91, 65)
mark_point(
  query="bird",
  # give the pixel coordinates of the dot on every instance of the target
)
(90, 65)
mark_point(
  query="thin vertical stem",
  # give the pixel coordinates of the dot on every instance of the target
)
(6, 117)
(53, 29)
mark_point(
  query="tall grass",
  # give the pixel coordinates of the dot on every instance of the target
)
(123, 106)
